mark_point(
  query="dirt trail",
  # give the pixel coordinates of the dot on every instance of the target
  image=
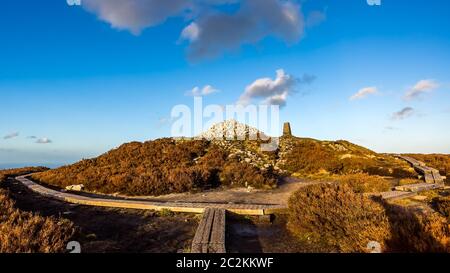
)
(278, 196)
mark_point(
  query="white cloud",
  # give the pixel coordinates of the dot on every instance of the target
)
(12, 135)
(421, 87)
(191, 32)
(212, 33)
(271, 91)
(364, 92)
(135, 15)
(403, 114)
(43, 140)
(205, 91)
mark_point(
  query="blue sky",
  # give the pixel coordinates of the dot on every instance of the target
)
(84, 79)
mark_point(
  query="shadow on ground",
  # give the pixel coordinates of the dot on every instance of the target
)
(113, 230)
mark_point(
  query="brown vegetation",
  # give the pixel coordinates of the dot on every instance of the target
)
(157, 167)
(442, 205)
(24, 232)
(409, 181)
(309, 156)
(244, 174)
(417, 231)
(333, 216)
(364, 183)
(20, 171)
(338, 219)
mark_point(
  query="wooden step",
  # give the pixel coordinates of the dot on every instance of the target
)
(217, 240)
(418, 187)
(438, 179)
(210, 234)
(429, 178)
(394, 195)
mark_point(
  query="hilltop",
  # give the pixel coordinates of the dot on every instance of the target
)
(169, 165)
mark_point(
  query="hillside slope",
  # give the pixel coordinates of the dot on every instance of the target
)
(181, 165)
(314, 158)
(160, 167)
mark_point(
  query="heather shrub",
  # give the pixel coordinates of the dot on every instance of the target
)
(156, 167)
(244, 174)
(309, 157)
(417, 231)
(408, 181)
(442, 205)
(24, 232)
(20, 171)
(364, 183)
(337, 218)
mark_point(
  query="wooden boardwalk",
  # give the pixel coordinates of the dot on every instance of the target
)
(430, 175)
(210, 235)
(189, 207)
(433, 180)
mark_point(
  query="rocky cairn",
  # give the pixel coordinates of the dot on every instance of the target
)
(232, 130)
(242, 142)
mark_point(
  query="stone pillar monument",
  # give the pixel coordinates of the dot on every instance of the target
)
(287, 129)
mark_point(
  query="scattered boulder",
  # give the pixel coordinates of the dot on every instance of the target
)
(79, 187)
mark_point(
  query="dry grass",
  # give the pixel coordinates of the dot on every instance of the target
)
(336, 218)
(24, 232)
(364, 183)
(417, 231)
(309, 157)
(244, 174)
(409, 181)
(442, 205)
(20, 171)
(156, 167)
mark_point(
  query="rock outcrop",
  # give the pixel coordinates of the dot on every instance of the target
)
(232, 130)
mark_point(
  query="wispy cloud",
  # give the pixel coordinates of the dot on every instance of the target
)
(11, 135)
(43, 140)
(274, 91)
(307, 79)
(364, 92)
(403, 114)
(390, 128)
(315, 18)
(32, 137)
(205, 91)
(420, 88)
